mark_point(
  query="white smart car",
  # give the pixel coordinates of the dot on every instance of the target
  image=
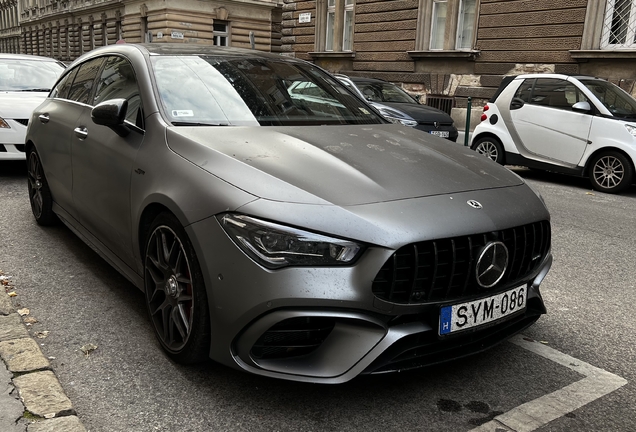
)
(25, 82)
(576, 125)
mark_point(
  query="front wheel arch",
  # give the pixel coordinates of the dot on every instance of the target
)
(608, 151)
(482, 138)
(175, 291)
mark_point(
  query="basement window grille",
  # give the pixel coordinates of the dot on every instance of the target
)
(443, 103)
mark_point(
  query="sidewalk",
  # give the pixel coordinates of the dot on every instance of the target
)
(31, 397)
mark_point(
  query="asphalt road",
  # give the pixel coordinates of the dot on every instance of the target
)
(127, 384)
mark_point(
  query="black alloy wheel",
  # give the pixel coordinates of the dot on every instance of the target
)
(175, 292)
(491, 148)
(39, 193)
(611, 172)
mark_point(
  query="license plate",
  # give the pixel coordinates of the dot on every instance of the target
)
(441, 134)
(478, 312)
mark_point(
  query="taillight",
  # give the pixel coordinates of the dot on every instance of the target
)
(484, 117)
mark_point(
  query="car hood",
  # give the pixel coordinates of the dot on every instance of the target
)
(20, 105)
(421, 113)
(341, 165)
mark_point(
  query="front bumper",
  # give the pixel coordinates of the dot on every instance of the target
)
(12, 140)
(430, 128)
(353, 331)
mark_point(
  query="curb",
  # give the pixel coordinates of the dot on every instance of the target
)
(34, 400)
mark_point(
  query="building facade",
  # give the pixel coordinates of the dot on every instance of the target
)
(65, 29)
(9, 26)
(448, 50)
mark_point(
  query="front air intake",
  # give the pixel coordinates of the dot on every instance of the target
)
(293, 337)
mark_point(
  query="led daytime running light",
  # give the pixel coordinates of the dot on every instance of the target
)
(276, 246)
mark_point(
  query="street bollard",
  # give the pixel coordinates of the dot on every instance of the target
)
(467, 129)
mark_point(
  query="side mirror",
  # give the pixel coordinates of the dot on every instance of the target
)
(582, 107)
(516, 103)
(112, 114)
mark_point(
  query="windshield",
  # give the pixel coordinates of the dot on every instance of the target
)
(211, 90)
(384, 92)
(617, 101)
(28, 75)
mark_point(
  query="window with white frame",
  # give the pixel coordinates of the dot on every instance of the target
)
(333, 22)
(221, 33)
(466, 24)
(438, 24)
(619, 25)
(446, 25)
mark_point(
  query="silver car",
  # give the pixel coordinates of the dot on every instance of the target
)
(290, 235)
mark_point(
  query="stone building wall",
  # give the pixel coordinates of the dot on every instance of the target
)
(512, 37)
(66, 29)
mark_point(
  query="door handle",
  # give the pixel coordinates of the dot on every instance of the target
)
(44, 118)
(81, 133)
(516, 103)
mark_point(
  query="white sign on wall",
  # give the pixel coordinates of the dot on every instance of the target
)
(176, 35)
(304, 17)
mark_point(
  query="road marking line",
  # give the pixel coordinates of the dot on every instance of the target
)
(541, 411)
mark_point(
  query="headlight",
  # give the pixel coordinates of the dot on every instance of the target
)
(397, 117)
(275, 246)
(631, 129)
(4, 124)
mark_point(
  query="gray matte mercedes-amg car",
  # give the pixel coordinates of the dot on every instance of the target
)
(296, 235)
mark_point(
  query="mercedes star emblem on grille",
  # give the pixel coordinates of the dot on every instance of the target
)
(474, 204)
(491, 264)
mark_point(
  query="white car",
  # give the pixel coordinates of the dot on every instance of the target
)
(576, 125)
(25, 82)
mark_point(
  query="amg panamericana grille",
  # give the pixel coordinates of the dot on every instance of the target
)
(443, 270)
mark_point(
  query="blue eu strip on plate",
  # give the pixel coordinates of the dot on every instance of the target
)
(445, 317)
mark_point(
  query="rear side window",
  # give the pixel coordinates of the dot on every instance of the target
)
(62, 88)
(525, 90)
(82, 87)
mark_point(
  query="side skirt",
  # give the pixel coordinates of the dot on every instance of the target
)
(98, 247)
(517, 159)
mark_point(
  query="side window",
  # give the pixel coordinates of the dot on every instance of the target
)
(83, 84)
(62, 88)
(118, 81)
(556, 93)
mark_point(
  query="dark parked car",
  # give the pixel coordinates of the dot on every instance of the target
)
(294, 236)
(397, 106)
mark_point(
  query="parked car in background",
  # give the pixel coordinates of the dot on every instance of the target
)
(25, 81)
(398, 106)
(576, 125)
(289, 235)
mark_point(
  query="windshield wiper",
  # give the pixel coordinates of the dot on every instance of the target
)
(182, 123)
(36, 90)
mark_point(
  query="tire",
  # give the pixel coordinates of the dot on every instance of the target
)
(39, 193)
(175, 292)
(611, 172)
(491, 148)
